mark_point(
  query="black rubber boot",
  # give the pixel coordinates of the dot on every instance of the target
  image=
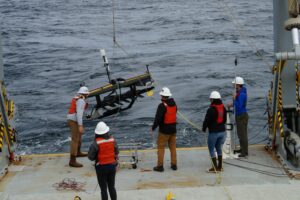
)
(158, 168)
(213, 169)
(237, 151)
(220, 163)
(242, 155)
(174, 167)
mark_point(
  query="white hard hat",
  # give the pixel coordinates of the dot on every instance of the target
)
(238, 80)
(101, 128)
(83, 90)
(165, 92)
(215, 95)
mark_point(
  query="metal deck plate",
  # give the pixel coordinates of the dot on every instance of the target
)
(34, 178)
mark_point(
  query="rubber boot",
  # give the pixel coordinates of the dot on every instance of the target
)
(73, 162)
(174, 167)
(220, 163)
(158, 168)
(79, 153)
(213, 169)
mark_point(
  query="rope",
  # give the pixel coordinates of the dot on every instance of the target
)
(114, 25)
(69, 184)
(190, 122)
(269, 166)
(114, 31)
(290, 172)
(218, 175)
(258, 170)
(117, 44)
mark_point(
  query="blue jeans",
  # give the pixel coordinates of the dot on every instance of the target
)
(215, 140)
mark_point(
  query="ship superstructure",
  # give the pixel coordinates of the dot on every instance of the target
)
(284, 118)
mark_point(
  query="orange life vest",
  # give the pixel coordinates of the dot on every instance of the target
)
(106, 153)
(170, 115)
(220, 111)
(72, 108)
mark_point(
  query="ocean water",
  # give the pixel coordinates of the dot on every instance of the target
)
(50, 47)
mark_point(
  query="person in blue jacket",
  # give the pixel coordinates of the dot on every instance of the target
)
(241, 115)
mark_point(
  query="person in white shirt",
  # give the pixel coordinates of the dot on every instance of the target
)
(74, 117)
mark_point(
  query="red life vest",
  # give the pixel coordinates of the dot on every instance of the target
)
(170, 115)
(220, 111)
(106, 153)
(72, 108)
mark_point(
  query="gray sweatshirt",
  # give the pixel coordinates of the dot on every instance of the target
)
(77, 117)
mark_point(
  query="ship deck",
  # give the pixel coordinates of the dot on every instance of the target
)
(260, 176)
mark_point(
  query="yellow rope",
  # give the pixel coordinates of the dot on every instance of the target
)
(218, 175)
(189, 121)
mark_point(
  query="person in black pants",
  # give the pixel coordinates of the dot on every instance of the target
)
(241, 115)
(104, 151)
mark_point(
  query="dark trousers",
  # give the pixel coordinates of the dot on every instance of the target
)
(242, 132)
(106, 178)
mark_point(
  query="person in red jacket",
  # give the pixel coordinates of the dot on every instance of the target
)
(104, 151)
(214, 121)
(165, 119)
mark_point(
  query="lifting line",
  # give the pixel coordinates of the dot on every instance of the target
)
(114, 29)
(242, 34)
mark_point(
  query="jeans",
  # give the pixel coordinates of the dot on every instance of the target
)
(106, 177)
(215, 140)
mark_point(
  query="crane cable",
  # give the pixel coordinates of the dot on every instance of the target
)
(117, 44)
(114, 29)
(217, 174)
(241, 31)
